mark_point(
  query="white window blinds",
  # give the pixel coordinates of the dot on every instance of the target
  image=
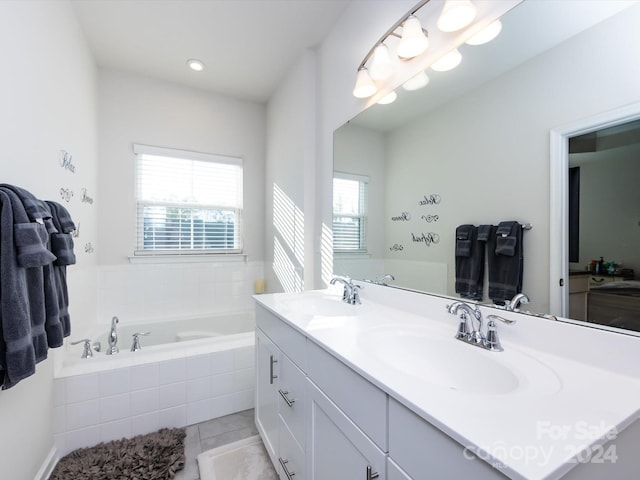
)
(350, 212)
(187, 202)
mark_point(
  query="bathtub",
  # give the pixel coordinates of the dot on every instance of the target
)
(189, 370)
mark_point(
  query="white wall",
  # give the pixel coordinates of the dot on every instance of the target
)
(609, 199)
(290, 180)
(135, 109)
(47, 93)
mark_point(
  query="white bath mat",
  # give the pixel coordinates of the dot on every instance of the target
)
(245, 459)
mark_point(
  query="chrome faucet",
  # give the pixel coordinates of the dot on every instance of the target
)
(468, 333)
(350, 293)
(514, 304)
(384, 278)
(113, 338)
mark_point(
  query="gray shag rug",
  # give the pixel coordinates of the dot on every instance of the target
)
(154, 456)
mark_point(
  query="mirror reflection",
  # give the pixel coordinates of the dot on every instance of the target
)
(472, 147)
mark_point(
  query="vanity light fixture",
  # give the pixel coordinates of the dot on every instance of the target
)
(416, 82)
(456, 15)
(414, 39)
(381, 67)
(389, 98)
(195, 64)
(379, 63)
(487, 34)
(447, 62)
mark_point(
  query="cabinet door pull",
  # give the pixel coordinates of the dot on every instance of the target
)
(272, 377)
(286, 399)
(371, 474)
(286, 470)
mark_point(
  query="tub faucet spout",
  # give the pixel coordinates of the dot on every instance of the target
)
(113, 338)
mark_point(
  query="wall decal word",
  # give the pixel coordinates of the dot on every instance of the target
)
(88, 248)
(76, 232)
(428, 239)
(403, 217)
(433, 199)
(86, 198)
(430, 218)
(66, 194)
(65, 158)
(396, 247)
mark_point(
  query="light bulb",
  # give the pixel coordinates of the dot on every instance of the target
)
(456, 15)
(487, 34)
(195, 64)
(364, 85)
(413, 41)
(416, 82)
(381, 67)
(448, 62)
(389, 98)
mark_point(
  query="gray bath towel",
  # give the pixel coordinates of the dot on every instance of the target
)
(36, 209)
(505, 261)
(17, 355)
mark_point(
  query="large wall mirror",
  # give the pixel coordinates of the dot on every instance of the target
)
(472, 147)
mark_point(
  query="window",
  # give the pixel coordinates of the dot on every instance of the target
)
(350, 212)
(187, 202)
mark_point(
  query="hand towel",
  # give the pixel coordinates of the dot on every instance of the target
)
(469, 260)
(505, 261)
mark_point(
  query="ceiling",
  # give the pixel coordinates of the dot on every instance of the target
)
(246, 45)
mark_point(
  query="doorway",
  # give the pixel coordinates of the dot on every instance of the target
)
(559, 197)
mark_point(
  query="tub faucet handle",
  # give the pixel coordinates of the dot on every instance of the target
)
(135, 346)
(86, 350)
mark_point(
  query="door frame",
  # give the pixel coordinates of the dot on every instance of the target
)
(559, 197)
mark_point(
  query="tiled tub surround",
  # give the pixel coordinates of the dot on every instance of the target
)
(151, 290)
(130, 394)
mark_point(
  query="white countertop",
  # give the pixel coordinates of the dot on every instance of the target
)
(557, 411)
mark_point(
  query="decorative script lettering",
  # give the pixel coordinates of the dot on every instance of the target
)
(86, 198)
(403, 217)
(65, 158)
(396, 247)
(433, 199)
(430, 218)
(76, 232)
(66, 194)
(428, 239)
(88, 248)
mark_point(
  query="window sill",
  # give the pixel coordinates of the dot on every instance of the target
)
(195, 258)
(347, 255)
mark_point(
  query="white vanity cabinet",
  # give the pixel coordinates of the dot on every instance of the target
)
(280, 394)
(419, 450)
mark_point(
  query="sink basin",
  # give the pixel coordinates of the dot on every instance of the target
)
(433, 356)
(321, 305)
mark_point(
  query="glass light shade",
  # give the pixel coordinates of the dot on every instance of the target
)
(456, 15)
(195, 64)
(416, 82)
(387, 99)
(413, 41)
(381, 67)
(448, 62)
(364, 85)
(487, 34)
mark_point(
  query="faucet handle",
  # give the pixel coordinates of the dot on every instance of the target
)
(135, 346)
(355, 296)
(86, 350)
(492, 341)
(503, 320)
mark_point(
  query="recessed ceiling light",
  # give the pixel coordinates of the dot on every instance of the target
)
(195, 64)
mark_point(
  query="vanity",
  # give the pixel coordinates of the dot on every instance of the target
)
(383, 390)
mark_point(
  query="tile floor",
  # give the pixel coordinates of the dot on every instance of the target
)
(211, 434)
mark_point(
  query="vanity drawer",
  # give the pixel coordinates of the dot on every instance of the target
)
(423, 451)
(291, 458)
(364, 403)
(289, 341)
(292, 403)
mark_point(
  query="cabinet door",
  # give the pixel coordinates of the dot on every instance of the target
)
(267, 357)
(291, 457)
(336, 448)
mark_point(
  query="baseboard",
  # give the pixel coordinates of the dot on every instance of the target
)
(46, 469)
